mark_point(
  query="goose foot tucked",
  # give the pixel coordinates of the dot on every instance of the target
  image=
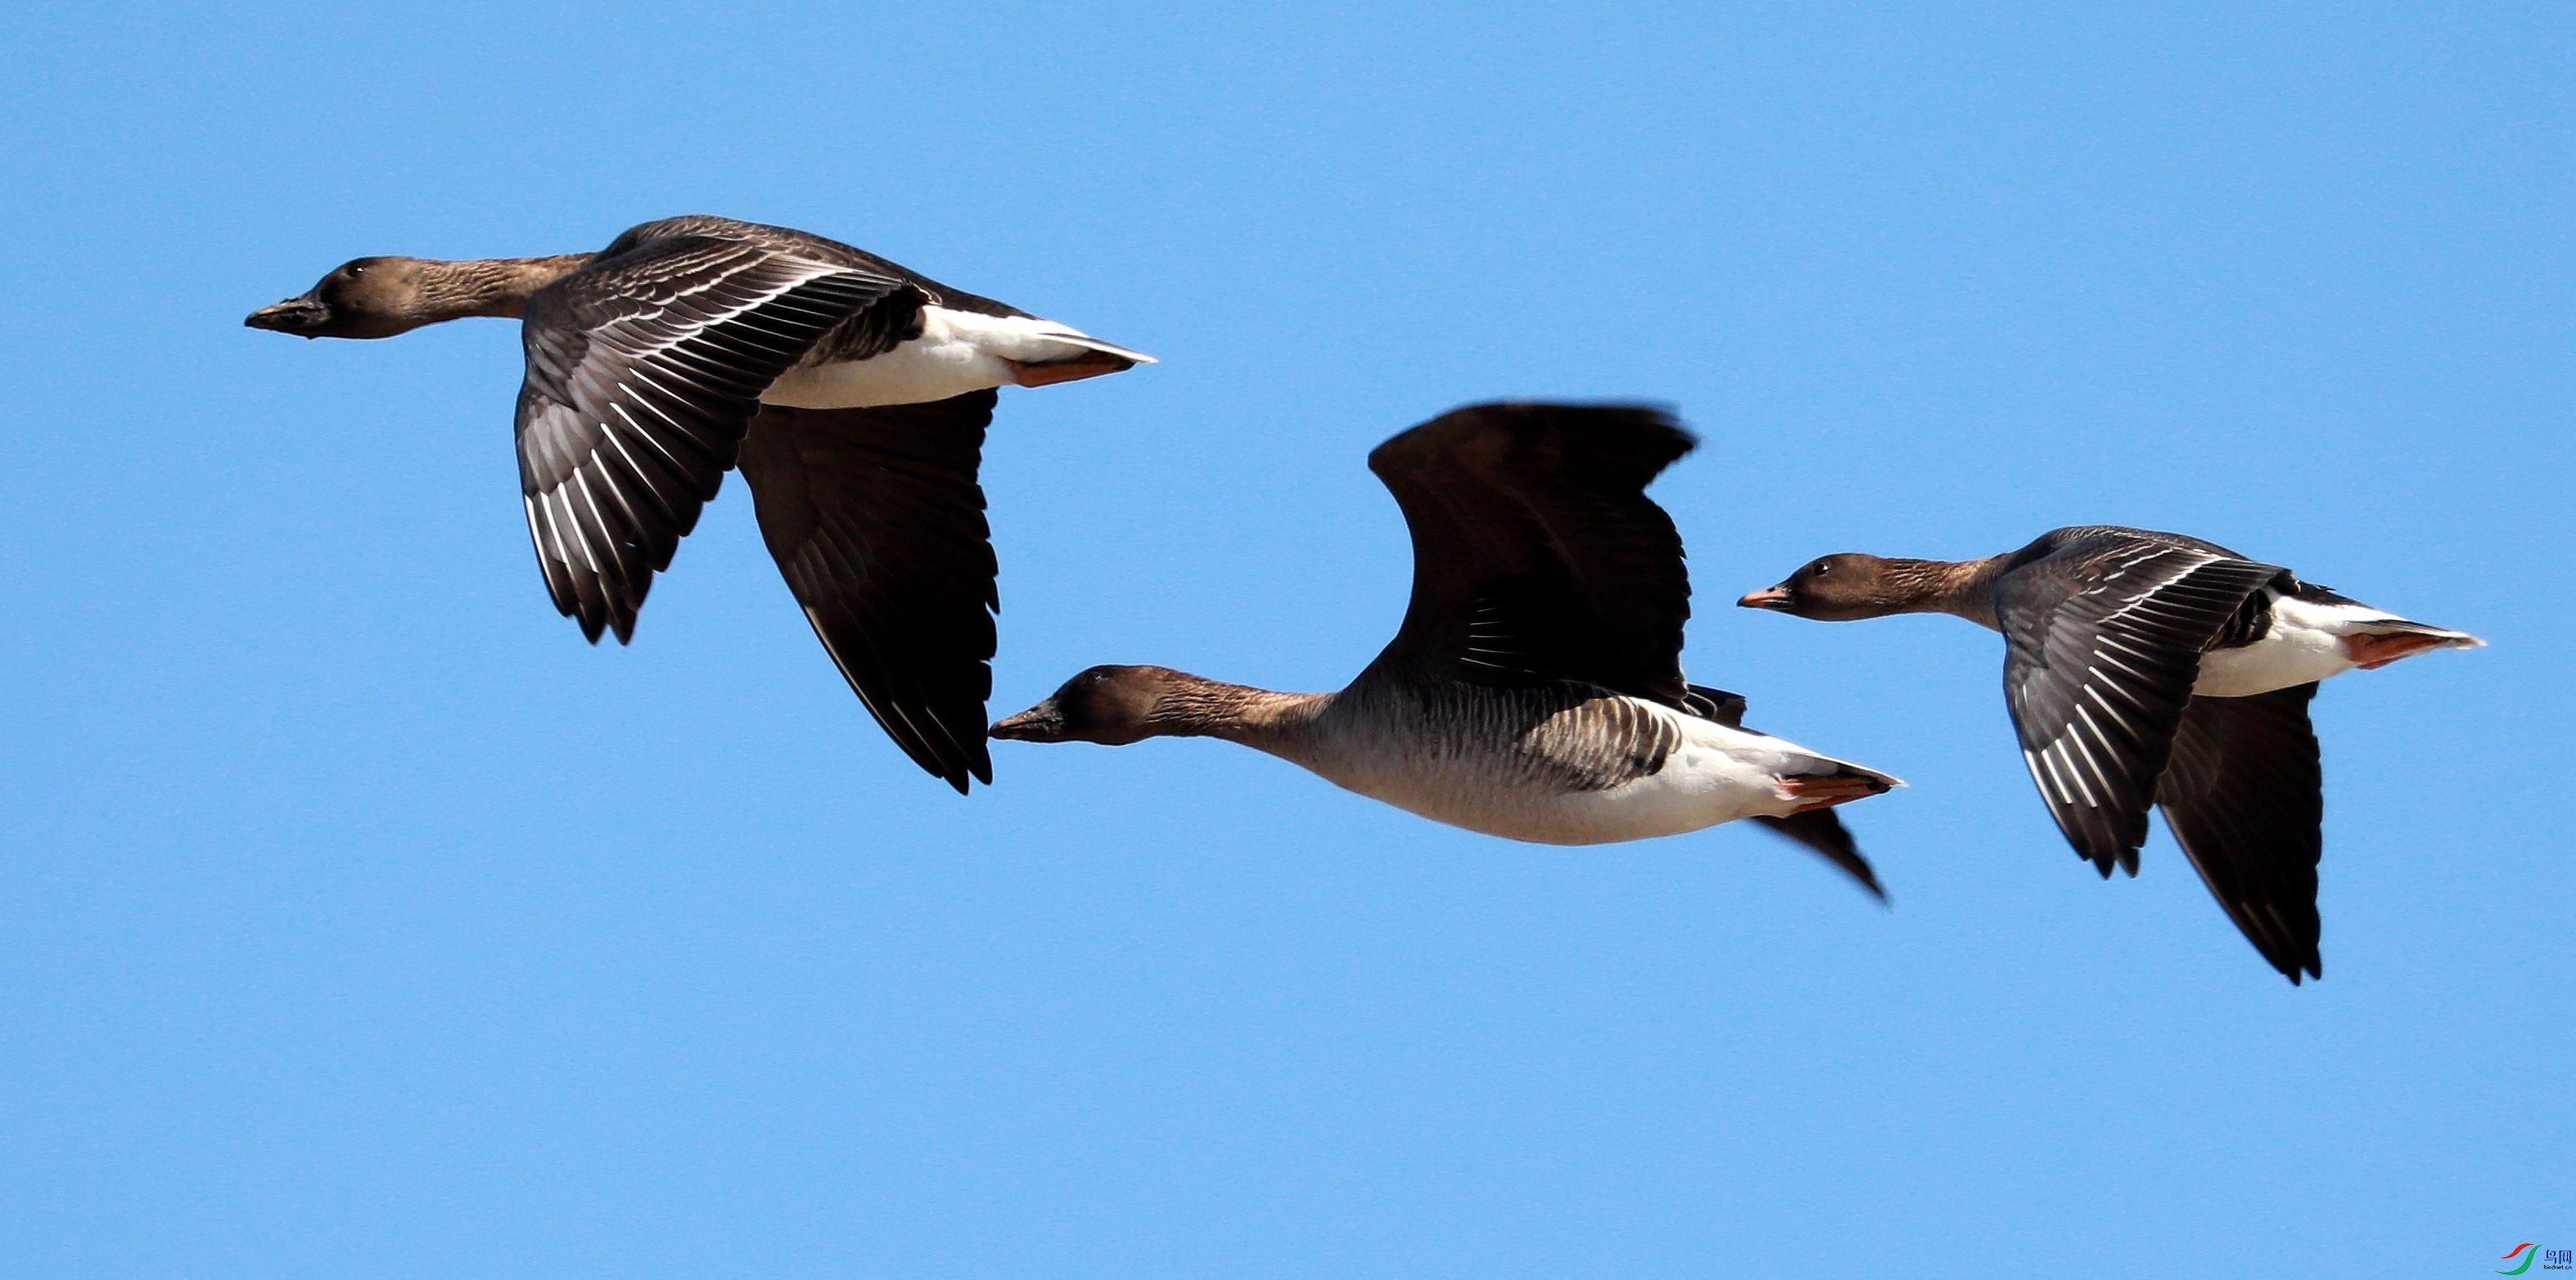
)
(1814, 791)
(2370, 653)
(1091, 365)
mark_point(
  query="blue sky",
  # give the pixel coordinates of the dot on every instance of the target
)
(361, 920)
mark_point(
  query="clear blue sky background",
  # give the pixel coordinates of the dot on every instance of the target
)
(357, 919)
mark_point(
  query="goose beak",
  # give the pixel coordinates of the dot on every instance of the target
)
(1776, 598)
(1041, 723)
(299, 315)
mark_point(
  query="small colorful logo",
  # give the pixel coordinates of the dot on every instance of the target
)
(2549, 1259)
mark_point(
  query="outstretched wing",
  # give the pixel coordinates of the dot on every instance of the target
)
(2245, 797)
(1821, 831)
(644, 369)
(877, 523)
(1536, 554)
(2103, 641)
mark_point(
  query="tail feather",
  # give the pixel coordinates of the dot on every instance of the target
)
(1846, 769)
(1089, 343)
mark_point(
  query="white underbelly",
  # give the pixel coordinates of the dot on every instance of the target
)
(2305, 643)
(1698, 787)
(913, 373)
(1717, 775)
(957, 352)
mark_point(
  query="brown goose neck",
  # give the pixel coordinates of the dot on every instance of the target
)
(490, 286)
(1965, 588)
(1191, 706)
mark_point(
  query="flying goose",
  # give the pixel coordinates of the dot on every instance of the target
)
(852, 392)
(2151, 668)
(1535, 690)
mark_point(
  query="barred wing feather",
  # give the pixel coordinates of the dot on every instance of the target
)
(644, 370)
(2103, 643)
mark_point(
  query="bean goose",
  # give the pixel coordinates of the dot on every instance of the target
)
(852, 392)
(1535, 689)
(2147, 669)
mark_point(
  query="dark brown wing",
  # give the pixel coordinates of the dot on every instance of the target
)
(2245, 796)
(813, 248)
(1536, 554)
(2103, 635)
(1821, 831)
(877, 522)
(644, 369)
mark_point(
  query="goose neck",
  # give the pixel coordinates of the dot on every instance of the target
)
(1962, 588)
(1196, 707)
(497, 287)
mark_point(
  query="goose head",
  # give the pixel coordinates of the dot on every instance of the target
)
(1110, 705)
(361, 298)
(1844, 587)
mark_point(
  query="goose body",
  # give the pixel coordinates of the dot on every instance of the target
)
(1534, 691)
(1568, 764)
(852, 392)
(2147, 669)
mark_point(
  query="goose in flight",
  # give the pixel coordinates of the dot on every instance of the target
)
(2147, 669)
(1535, 689)
(852, 392)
